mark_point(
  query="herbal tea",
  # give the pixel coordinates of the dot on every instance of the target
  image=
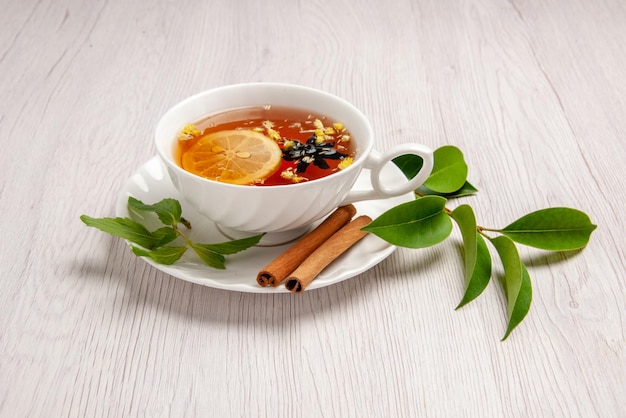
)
(265, 146)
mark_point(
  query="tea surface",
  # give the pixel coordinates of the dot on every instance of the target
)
(311, 146)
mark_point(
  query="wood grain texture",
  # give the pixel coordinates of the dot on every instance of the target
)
(533, 93)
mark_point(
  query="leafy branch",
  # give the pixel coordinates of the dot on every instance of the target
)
(153, 244)
(427, 221)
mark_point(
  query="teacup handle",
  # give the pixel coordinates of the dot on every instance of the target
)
(376, 162)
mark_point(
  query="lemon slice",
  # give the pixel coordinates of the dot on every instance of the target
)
(235, 156)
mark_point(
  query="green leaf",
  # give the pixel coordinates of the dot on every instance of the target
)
(164, 235)
(168, 210)
(465, 190)
(213, 254)
(235, 246)
(517, 286)
(409, 164)
(209, 256)
(449, 170)
(125, 228)
(162, 255)
(415, 224)
(477, 257)
(556, 229)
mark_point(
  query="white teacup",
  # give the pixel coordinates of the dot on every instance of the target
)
(283, 212)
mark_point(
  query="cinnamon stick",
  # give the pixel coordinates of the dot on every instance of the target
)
(275, 272)
(336, 245)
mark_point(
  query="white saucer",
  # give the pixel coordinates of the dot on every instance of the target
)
(150, 183)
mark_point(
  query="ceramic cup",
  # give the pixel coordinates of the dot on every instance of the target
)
(283, 212)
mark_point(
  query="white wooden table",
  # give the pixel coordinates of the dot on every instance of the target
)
(532, 91)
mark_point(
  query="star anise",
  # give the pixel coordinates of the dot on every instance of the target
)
(310, 152)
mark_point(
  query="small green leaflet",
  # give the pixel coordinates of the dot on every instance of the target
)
(234, 246)
(416, 224)
(168, 210)
(210, 257)
(213, 254)
(477, 257)
(517, 286)
(162, 255)
(165, 234)
(555, 229)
